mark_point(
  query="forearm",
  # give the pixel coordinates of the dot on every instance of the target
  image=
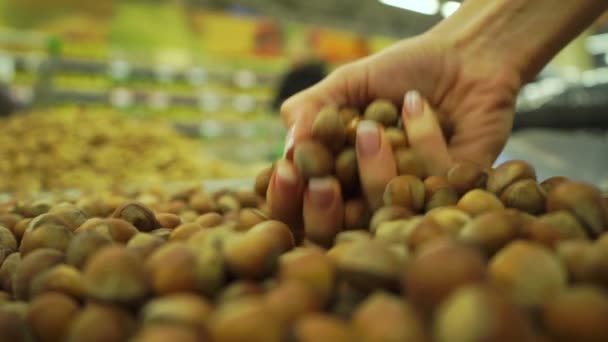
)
(521, 34)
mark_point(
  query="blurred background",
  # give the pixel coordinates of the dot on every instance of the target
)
(89, 87)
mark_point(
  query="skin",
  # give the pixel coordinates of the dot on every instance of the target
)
(466, 71)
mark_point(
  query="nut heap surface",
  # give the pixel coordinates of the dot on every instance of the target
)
(478, 255)
(95, 151)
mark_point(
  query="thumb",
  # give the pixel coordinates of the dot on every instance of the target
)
(425, 134)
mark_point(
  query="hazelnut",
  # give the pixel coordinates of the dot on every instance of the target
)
(210, 220)
(442, 197)
(351, 130)
(423, 232)
(248, 198)
(61, 279)
(356, 214)
(255, 322)
(7, 239)
(321, 327)
(595, 263)
(168, 220)
(491, 230)
(528, 272)
(163, 233)
(50, 316)
(582, 200)
(72, 217)
(138, 215)
(202, 203)
(396, 137)
(438, 270)
(32, 265)
(353, 236)
(348, 113)
(228, 203)
(384, 317)
(313, 160)
(369, 265)
(434, 183)
(396, 231)
(117, 229)
(382, 111)
(14, 327)
(550, 183)
(115, 274)
(389, 213)
(249, 217)
(480, 313)
(46, 236)
(346, 300)
(578, 314)
(465, 176)
(100, 322)
(478, 201)
(209, 270)
(20, 227)
(309, 266)
(166, 332)
(144, 244)
(450, 219)
(239, 290)
(185, 231)
(573, 254)
(347, 170)
(508, 173)
(553, 227)
(170, 269)
(291, 300)
(406, 191)
(9, 220)
(525, 195)
(185, 309)
(7, 271)
(255, 253)
(409, 163)
(328, 128)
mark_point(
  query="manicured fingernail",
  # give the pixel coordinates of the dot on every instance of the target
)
(321, 192)
(286, 173)
(413, 104)
(289, 140)
(368, 138)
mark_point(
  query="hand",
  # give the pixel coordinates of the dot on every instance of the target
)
(444, 82)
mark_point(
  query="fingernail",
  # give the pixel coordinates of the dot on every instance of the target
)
(289, 140)
(286, 173)
(321, 192)
(368, 138)
(413, 104)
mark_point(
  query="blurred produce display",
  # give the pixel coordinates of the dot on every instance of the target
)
(100, 149)
(478, 255)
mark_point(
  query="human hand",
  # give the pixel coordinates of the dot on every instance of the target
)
(472, 97)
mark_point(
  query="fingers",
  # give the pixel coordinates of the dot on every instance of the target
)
(424, 133)
(376, 162)
(323, 210)
(480, 137)
(284, 194)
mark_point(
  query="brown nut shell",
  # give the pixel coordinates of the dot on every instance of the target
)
(32, 265)
(479, 201)
(528, 272)
(321, 327)
(382, 111)
(255, 322)
(59, 279)
(313, 160)
(508, 173)
(465, 176)
(525, 195)
(170, 269)
(409, 163)
(406, 191)
(138, 215)
(328, 128)
(347, 170)
(117, 325)
(357, 214)
(388, 213)
(50, 316)
(492, 230)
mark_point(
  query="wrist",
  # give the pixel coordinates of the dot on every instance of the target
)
(516, 36)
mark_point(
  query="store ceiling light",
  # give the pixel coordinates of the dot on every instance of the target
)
(449, 7)
(429, 7)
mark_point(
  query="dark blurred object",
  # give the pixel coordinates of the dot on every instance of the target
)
(7, 104)
(301, 76)
(576, 108)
